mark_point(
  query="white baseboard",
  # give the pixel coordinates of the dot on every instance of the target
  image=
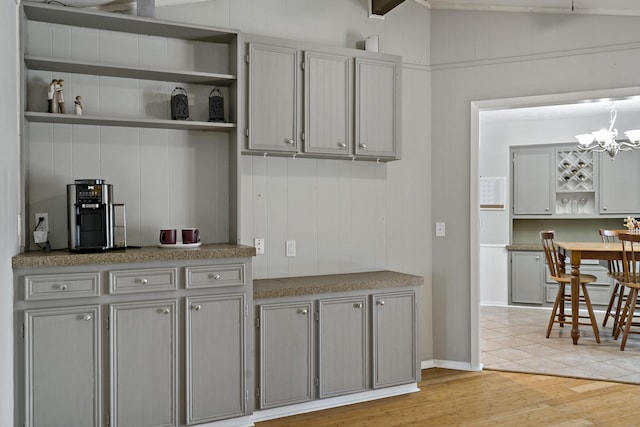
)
(333, 402)
(233, 422)
(448, 364)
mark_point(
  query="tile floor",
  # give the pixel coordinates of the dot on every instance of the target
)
(513, 339)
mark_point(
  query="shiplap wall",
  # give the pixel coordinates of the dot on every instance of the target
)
(485, 55)
(10, 196)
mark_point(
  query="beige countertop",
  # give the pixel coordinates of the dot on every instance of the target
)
(526, 247)
(331, 283)
(64, 258)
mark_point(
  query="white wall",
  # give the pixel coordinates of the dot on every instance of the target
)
(9, 194)
(485, 55)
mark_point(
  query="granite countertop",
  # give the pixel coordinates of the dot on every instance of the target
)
(331, 283)
(64, 258)
(534, 247)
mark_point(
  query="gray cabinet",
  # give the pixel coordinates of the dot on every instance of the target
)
(395, 357)
(286, 353)
(620, 183)
(273, 98)
(533, 180)
(144, 364)
(527, 277)
(62, 368)
(215, 357)
(342, 346)
(377, 109)
(327, 103)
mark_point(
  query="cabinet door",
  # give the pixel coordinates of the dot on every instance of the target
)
(532, 182)
(273, 98)
(620, 183)
(215, 357)
(286, 362)
(527, 277)
(144, 364)
(395, 358)
(327, 95)
(62, 367)
(342, 343)
(377, 108)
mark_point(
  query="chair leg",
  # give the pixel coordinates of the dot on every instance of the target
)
(631, 304)
(621, 299)
(614, 294)
(622, 321)
(587, 301)
(556, 304)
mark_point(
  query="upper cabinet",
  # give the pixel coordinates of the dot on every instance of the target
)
(377, 108)
(620, 183)
(532, 180)
(316, 101)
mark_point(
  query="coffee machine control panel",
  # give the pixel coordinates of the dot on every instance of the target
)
(89, 195)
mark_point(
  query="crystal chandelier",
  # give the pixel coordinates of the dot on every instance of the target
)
(604, 140)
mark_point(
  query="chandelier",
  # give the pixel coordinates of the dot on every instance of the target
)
(604, 140)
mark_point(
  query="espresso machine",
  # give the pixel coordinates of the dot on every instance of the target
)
(95, 222)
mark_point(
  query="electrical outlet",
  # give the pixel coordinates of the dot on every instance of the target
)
(440, 229)
(259, 244)
(291, 248)
(42, 222)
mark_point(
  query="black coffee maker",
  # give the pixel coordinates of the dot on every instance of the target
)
(90, 210)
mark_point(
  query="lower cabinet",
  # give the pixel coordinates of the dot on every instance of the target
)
(144, 364)
(527, 277)
(215, 332)
(314, 349)
(63, 365)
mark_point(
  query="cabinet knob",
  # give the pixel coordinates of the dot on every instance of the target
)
(166, 311)
(290, 141)
(197, 307)
(87, 317)
(214, 276)
(604, 208)
(302, 311)
(63, 287)
(342, 145)
(546, 209)
(381, 302)
(357, 305)
(537, 258)
(144, 281)
(363, 145)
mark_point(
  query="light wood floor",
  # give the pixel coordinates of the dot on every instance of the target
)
(489, 398)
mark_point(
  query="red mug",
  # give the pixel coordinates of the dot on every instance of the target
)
(190, 235)
(168, 237)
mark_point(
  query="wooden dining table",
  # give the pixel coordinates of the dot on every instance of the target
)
(576, 252)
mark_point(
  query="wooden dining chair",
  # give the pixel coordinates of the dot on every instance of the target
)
(631, 280)
(615, 272)
(558, 274)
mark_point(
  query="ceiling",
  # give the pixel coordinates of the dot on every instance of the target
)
(591, 7)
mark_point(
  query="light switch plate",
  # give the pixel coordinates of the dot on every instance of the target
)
(291, 248)
(259, 245)
(440, 229)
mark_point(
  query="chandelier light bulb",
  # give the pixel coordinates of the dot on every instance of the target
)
(604, 140)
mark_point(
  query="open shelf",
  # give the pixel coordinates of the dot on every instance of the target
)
(96, 68)
(74, 119)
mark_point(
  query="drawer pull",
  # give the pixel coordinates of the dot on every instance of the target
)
(197, 307)
(363, 145)
(214, 276)
(302, 311)
(63, 287)
(144, 281)
(87, 317)
(342, 145)
(166, 311)
(381, 302)
(357, 305)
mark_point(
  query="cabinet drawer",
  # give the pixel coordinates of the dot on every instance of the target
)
(58, 286)
(214, 276)
(598, 294)
(147, 280)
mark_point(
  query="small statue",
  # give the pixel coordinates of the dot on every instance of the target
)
(53, 107)
(78, 105)
(58, 96)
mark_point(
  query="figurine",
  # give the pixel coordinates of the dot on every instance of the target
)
(58, 97)
(78, 105)
(53, 107)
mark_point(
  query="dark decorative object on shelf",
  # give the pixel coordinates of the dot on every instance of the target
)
(179, 104)
(216, 105)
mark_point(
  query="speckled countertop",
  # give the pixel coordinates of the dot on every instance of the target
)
(331, 283)
(525, 247)
(64, 258)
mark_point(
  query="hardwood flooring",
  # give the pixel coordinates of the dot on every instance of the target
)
(488, 398)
